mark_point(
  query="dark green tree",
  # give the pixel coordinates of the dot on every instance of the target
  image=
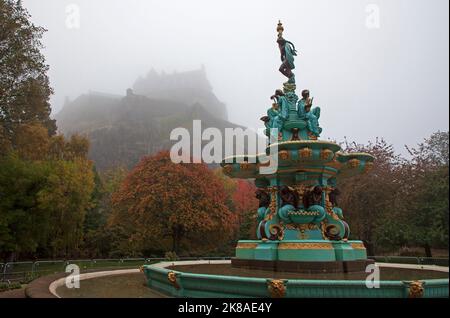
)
(24, 84)
(99, 240)
(429, 219)
(428, 202)
(22, 224)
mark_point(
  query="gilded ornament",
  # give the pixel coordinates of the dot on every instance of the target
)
(302, 227)
(280, 29)
(304, 213)
(277, 232)
(326, 154)
(353, 163)
(276, 288)
(358, 246)
(368, 166)
(305, 152)
(227, 169)
(305, 246)
(312, 136)
(246, 245)
(416, 289)
(284, 155)
(172, 278)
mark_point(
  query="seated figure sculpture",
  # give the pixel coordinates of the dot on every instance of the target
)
(289, 197)
(311, 116)
(279, 98)
(291, 209)
(277, 114)
(264, 202)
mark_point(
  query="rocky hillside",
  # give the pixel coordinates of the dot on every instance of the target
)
(188, 87)
(122, 129)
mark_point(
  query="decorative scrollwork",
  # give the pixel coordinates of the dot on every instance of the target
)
(323, 226)
(273, 203)
(304, 213)
(332, 232)
(305, 246)
(276, 231)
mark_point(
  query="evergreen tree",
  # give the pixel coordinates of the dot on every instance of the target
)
(24, 84)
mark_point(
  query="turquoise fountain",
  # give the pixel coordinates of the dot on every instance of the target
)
(301, 227)
(303, 242)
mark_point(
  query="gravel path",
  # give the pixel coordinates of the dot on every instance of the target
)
(15, 293)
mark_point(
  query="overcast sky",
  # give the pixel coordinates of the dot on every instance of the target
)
(371, 78)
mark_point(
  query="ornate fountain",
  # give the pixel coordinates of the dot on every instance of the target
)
(301, 227)
(300, 224)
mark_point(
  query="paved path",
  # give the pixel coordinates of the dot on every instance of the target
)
(15, 293)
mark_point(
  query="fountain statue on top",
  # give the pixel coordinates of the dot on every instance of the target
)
(287, 50)
(285, 106)
(300, 224)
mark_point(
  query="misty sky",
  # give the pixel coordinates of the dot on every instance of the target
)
(390, 81)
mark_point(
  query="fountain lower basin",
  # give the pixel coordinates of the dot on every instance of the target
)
(174, 279)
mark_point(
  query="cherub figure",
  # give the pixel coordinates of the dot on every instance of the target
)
(304, 111)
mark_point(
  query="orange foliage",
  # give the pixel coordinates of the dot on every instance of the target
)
(32, 141)
(246, 205)
(244, 197)
(162, 203)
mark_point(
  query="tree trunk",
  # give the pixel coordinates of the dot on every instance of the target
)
(176, 238)
(174, 241)
(370, 248)
(428, 250)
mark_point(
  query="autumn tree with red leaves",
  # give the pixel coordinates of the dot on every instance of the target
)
(246, 206)
(162, 205)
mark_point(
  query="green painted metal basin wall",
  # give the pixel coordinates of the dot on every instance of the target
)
(201, 285)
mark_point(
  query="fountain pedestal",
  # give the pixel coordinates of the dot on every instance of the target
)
(300, 224)
(301, 256)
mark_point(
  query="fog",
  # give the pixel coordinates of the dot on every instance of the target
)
(390, 81)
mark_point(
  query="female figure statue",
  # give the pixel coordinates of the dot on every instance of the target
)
(287, 50)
